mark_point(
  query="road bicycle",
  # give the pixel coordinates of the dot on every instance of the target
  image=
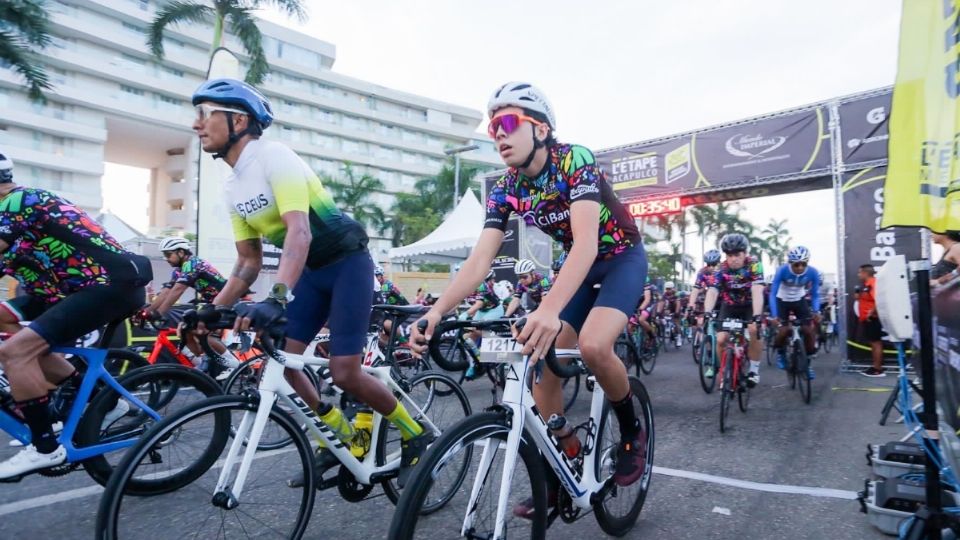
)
(826, 336)
(798, 374)
(110, 413)
(769, 335)
(505, 448)
(733, 382)
(238, 489)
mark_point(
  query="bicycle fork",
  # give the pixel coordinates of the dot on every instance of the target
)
(251, 428)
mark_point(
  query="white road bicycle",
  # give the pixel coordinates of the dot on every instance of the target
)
(504, 449)
(239, 489)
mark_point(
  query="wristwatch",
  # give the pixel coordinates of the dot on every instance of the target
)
(281, 293)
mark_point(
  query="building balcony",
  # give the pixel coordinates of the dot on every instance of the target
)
(41, 120)
(50, 158)
(179, 191)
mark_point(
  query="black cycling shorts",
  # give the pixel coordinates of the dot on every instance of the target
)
(87, 310)
(744, 313)
(800, 308)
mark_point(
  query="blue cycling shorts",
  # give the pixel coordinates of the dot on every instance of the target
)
(621, 279)
(340, 296)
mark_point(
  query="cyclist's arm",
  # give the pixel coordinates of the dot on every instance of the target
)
(711, 300)
(158, 300)
(815, 293)
(472, 272)
(692, 303)
(584, 220)
(170, 298)
(774, 287)
(646, 300)
(756, 294)
(245, 272)
(296, 246)
(514, 304)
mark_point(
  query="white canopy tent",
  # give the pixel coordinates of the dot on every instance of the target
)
(452, 240)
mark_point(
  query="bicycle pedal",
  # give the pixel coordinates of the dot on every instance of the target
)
(327, 483)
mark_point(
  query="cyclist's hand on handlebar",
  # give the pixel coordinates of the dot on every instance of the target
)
(539, 333)
(422, 331)
(260, 315)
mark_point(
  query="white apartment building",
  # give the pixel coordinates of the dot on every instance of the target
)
(114, 102)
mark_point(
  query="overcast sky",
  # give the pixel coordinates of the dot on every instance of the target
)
(625, 71)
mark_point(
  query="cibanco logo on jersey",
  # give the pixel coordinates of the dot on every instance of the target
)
(548, 218)
(753, 146)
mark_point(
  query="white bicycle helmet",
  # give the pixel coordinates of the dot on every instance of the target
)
(378, 270)
(524, 266)
(173, 243)
(521, 94)
(798, 254)
(669, 285)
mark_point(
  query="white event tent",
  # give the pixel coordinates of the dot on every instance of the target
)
(452, 240)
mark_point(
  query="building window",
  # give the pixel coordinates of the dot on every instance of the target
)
(170, 100)
(172, 71)
(133, 27)
(132, 90)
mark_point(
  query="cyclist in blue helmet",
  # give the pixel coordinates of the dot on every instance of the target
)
(246, 110)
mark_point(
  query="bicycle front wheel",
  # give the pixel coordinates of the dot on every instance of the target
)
(802, 375)
(441, 400)
(708, 364)
(479, 443)
(697, 345)
(726, 387)
(266, 508)
(618, 511)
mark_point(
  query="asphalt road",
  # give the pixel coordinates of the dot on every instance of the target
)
(780, 442)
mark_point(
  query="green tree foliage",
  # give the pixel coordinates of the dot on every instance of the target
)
(24, 30)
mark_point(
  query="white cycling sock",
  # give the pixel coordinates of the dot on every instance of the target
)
(228, 361)
(755, 367)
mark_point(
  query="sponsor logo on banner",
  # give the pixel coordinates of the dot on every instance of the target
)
(875, 116)
(753, 146)
(635, 171)
(677, 163)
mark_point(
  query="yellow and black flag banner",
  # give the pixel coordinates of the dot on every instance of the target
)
(923, 181)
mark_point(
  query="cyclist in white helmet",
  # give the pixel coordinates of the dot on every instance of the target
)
(792, 282)
(561, 189)
(531, 282)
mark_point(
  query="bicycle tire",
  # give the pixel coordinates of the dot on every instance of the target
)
(157, 379)
(462, 437)
(121, 361)
(825, 342)
(648, 356)
(802, 376)
(792, 367)
(726, 394)
(621, 525)
(220, 407)
(392, 490)
(743, 392)
(708, 359)
(627, 354)
(697, 345)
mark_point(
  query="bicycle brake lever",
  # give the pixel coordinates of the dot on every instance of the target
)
(538, 371)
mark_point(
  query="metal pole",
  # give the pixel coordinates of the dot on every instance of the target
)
(456, 179)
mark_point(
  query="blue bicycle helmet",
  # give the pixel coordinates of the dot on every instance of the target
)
(234, 92)
(798, 254)
(712, 257)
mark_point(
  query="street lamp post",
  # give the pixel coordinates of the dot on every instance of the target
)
(455, 152)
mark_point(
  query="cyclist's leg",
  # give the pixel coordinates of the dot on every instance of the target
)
(74, 316)
(26, 308)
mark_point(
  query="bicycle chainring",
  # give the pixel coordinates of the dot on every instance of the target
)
(568, 512)
(59, 470)
(350, 489)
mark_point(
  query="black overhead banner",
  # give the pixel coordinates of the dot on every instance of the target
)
(864, 128)
(754, 152)
(865, 244)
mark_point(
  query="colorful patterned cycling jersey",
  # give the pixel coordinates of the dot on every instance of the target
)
(486, 294)
(202, 276)
(704, 278)
(571, 174)
(33, 278)
(270, 180)
(538, 287)
(74, 249)
(734, 285)
(391, 294)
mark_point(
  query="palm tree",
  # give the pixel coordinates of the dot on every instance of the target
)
(676, 255)
(777, 237)
(24, 31)
(239, 14)
(354, 194)
(703, 217)
(727, 219)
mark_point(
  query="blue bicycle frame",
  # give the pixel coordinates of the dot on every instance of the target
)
(95, 371)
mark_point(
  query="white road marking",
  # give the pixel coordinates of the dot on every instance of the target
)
(722, 511)
(79, 493)
(758, 486)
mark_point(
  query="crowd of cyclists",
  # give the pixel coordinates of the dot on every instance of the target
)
(74, 278)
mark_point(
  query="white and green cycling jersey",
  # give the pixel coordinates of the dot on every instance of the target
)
(269, 180)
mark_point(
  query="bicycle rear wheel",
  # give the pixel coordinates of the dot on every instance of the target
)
(697, 345)
(165, 389)
(627, 353)
(707, 362)
(442, 401)
(571, 389)
(743, 389)
(266, 508)
(464, 445)
(618, 511)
